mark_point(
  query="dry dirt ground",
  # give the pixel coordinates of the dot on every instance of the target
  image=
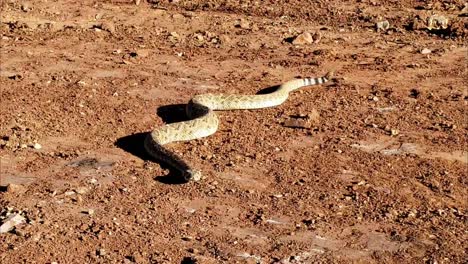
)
(369, 168)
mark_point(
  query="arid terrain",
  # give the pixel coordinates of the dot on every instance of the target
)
(370, 167)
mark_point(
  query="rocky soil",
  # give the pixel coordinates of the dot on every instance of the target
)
(368, 168)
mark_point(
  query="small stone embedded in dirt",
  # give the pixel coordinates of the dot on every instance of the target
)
(303, 39)
(426, 51)
(437, 22)
(37, 146)
(68, 193)
(26, 7)
(81, 190)
(382, 25)
(316, 37)
(101, 252)
(142, 52)
(88, 211)
(108, 26)
(174, 37)
(242, 23)
(296, 123)
(10, 222)
(394, 132)
(15, 188)
(187, 238)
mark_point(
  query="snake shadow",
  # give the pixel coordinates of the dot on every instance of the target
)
(172, 113)
(133, 144)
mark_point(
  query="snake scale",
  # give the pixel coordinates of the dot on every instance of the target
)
(204, 121)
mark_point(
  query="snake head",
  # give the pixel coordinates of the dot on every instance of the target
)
(192, 175)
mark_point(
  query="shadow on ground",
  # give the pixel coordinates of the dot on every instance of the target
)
(133, 144)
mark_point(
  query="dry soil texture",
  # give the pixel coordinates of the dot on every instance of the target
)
(369, 168)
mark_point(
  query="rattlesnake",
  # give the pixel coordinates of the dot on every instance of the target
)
(204, 121)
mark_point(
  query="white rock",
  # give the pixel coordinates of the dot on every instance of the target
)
(10, 222)
(81, 190)
(37, 146)
(382, 25)
(426, 51)
(303, 39)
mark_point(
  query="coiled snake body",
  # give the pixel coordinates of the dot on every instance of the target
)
(204, 121)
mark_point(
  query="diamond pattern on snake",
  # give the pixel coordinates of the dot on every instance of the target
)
(204, 121)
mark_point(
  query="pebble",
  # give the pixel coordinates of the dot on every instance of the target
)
(101, 252)
(15, 188)
(303, 39)
(88, 211)
(187, 238)
(426, 51)
(108, 26)
(143, 53)
(242, 23)
(25, 7)
(394, 132)
(81, 190)
(317, 37)
(37, 146)
(294, 123)
(10, 222)
(93, 181)
(382, 25)
(68, 193)
(437, 22)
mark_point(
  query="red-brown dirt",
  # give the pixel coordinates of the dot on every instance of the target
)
(369, 168)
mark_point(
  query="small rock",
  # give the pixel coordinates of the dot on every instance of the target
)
(317, 37)
(68, 193)
(142, 53)
(296, 123)
(242, 23)
(178, 17)
(101, 252)
(25, 7)
(88, 211)
(382, 25)
(303, 39)
(81, 190)
(93, 181)
(174, 37)
(426, 51)
(19, 232)
(394, 132)
(15, 188)
(437, 22)
(108, 26)
(10, 222)
(187, 238)
(37, 146)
